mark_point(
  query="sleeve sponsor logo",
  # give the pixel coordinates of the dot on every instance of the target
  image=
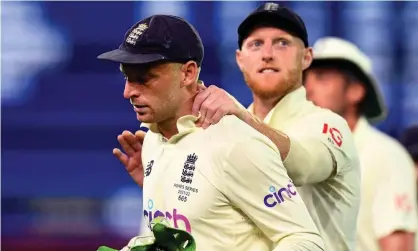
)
(275, 197)
(334, 135)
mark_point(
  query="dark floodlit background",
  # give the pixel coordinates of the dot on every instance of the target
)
(62, 109)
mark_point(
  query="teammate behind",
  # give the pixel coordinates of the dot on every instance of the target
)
(225, 185)
(316, 144)
(340, 79)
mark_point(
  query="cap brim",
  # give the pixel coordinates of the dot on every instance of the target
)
(374, 107)
(125, 57)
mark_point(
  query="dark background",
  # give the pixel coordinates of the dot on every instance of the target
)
(62, 109)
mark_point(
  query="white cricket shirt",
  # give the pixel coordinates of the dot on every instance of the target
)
(333, 203)
(227, 186)
(388, 187)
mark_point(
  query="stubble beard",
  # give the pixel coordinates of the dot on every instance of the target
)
(278, 90)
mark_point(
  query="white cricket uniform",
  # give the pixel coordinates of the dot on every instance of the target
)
(314, 132)
(227, 186)
(388, 187)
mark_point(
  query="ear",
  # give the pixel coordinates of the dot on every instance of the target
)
(355, 93)
(238, 59)
(307, 58)
(190, 72)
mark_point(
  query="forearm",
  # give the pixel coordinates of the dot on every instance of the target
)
(307, 163)
(398, 241)
(280, 139)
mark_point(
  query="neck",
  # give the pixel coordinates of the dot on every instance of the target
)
(352, 122)
(168, 128)
(352, 118)
(262, 106)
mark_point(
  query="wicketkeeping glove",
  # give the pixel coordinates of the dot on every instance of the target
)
(165, 238)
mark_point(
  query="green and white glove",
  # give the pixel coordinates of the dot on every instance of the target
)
(165, 238)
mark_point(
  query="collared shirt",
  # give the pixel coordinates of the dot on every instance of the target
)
(227, 186)
(388, 187)
(314, 133)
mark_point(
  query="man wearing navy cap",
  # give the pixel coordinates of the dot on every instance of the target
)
(199, 179)
(316, 145)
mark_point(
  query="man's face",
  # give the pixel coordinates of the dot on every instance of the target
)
(272, 61)
(327, 88)
(154, 90)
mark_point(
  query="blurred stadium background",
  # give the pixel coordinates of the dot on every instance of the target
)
(62, 109)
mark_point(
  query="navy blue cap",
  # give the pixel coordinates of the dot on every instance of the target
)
(273, 15)
(158, 38)
(409, 139)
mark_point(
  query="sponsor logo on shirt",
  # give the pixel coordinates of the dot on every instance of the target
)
(402, 203)
(334, 135)
(278, 196)
(174, 217)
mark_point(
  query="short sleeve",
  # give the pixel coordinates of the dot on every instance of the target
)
(333, 132)
(394, 207)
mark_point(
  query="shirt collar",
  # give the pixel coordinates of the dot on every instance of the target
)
(185, 126)
(287, 107)
(360, 131)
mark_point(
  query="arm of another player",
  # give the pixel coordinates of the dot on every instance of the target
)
(257, 183)
(309, 161)
(394, 207)
(322, 150)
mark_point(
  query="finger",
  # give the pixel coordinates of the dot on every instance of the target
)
(213, 108)
(140, 135)
(198, 100)
(210, 106)
(217, 116)
(127, 148)
(131, 140)
(206, 124)
(199, 122)
(121, 156)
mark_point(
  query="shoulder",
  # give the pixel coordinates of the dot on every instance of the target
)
(384, 142)
(386, 150)
(241, 139)
(324, 116)
(332, 130)
(325, 126)
(314, 121)
(236, 131)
